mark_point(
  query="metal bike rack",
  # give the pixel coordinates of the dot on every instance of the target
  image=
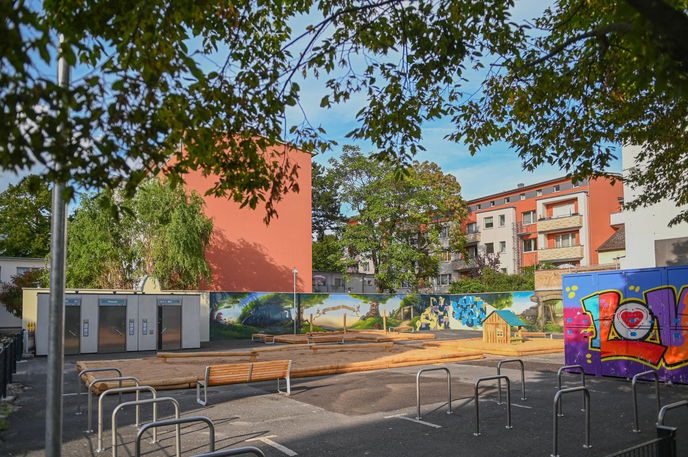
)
(477, 404)
(145, 427)
(523, 379)
(418, 388)
(79, 382)
(665, 408)
(560, 372)
(634, 382)
(121, 390)
(177, 421)
(90, 395)
(555, 416)
(237, 451)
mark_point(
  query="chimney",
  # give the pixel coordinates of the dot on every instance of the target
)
(519, 185)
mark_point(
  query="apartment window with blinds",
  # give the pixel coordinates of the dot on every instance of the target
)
(538, 193)
(507, 199)
(446, 256)
(502, 220)
(472, 227)
(523, 196)
(444, 231)
(492, 203)
(489, 248)
(528, 218)
(530, 245)
(502, 246)
(472, 252)
(488, 222)
(565, 240)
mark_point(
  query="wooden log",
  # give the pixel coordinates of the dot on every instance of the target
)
(344, 322)
(384, 321)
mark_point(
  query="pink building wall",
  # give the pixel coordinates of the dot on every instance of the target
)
(245, 255)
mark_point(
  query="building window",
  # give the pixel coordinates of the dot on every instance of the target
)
(565, 240)
(478, 206)
(369, 282)
(523, 196)
(365, 266)
(530, 245)
(444, 231)
(503, 270)
(564, 210)
(529, 218)
(538, 193)
(488, 222)
(502, 220)
(22, 270)
(556, 188)
(489, 248)
(502, 246)
(471, 252)
(507, 199)
(446, 256)
(472, 227)
(338, 282)
(444, 279)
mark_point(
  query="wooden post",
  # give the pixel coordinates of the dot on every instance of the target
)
(384, 321)
(344, 323)
(310, 322)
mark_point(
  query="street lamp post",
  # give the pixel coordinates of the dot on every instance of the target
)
(295, 271)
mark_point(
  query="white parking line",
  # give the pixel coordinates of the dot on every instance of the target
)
(401, 416)
(513, 404)
(269, 442)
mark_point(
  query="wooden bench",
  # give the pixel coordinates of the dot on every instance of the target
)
(325, 338)
(240, 373)
(264, 337)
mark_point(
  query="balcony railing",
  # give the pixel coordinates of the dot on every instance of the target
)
(472, 237)
(560, 223)
(559, 254)
(526, 229)
(461, 265)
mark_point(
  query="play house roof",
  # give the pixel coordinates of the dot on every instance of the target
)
(509, 317)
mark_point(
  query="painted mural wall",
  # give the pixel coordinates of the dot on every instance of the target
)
(621, 323)
(237, 315)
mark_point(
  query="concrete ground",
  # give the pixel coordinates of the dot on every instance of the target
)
(365, 413)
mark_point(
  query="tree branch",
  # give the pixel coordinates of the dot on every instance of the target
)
(601, 32)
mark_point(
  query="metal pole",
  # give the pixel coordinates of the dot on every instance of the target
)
(58, 234)
(634, 382)
(295, 271)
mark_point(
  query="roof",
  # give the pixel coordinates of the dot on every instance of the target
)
(615, 242)
(509, 317)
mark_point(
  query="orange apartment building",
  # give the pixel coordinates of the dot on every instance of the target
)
(245, 255)
(557, 221)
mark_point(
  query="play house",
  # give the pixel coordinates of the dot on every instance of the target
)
(497, 327)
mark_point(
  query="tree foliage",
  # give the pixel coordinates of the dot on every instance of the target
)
(25, 219)
(398, 222)
(327, 254)
(11, 292)
(215, 75)
(495, 281)
(161, 231)
(327, 214)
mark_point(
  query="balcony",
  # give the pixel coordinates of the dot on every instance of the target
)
(560, 254)
(472, 238)
(560, 223)
(462, 265)
(526, 229)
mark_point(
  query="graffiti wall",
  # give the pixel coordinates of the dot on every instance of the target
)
(621, 323)
(237, 315)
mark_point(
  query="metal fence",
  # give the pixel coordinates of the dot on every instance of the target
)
(662, 446)
(11, 349)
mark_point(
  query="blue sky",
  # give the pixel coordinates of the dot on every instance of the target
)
(494, 169)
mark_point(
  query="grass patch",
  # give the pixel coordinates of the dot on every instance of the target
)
(305, 328)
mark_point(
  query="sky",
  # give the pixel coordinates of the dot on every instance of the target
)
(493, 169)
